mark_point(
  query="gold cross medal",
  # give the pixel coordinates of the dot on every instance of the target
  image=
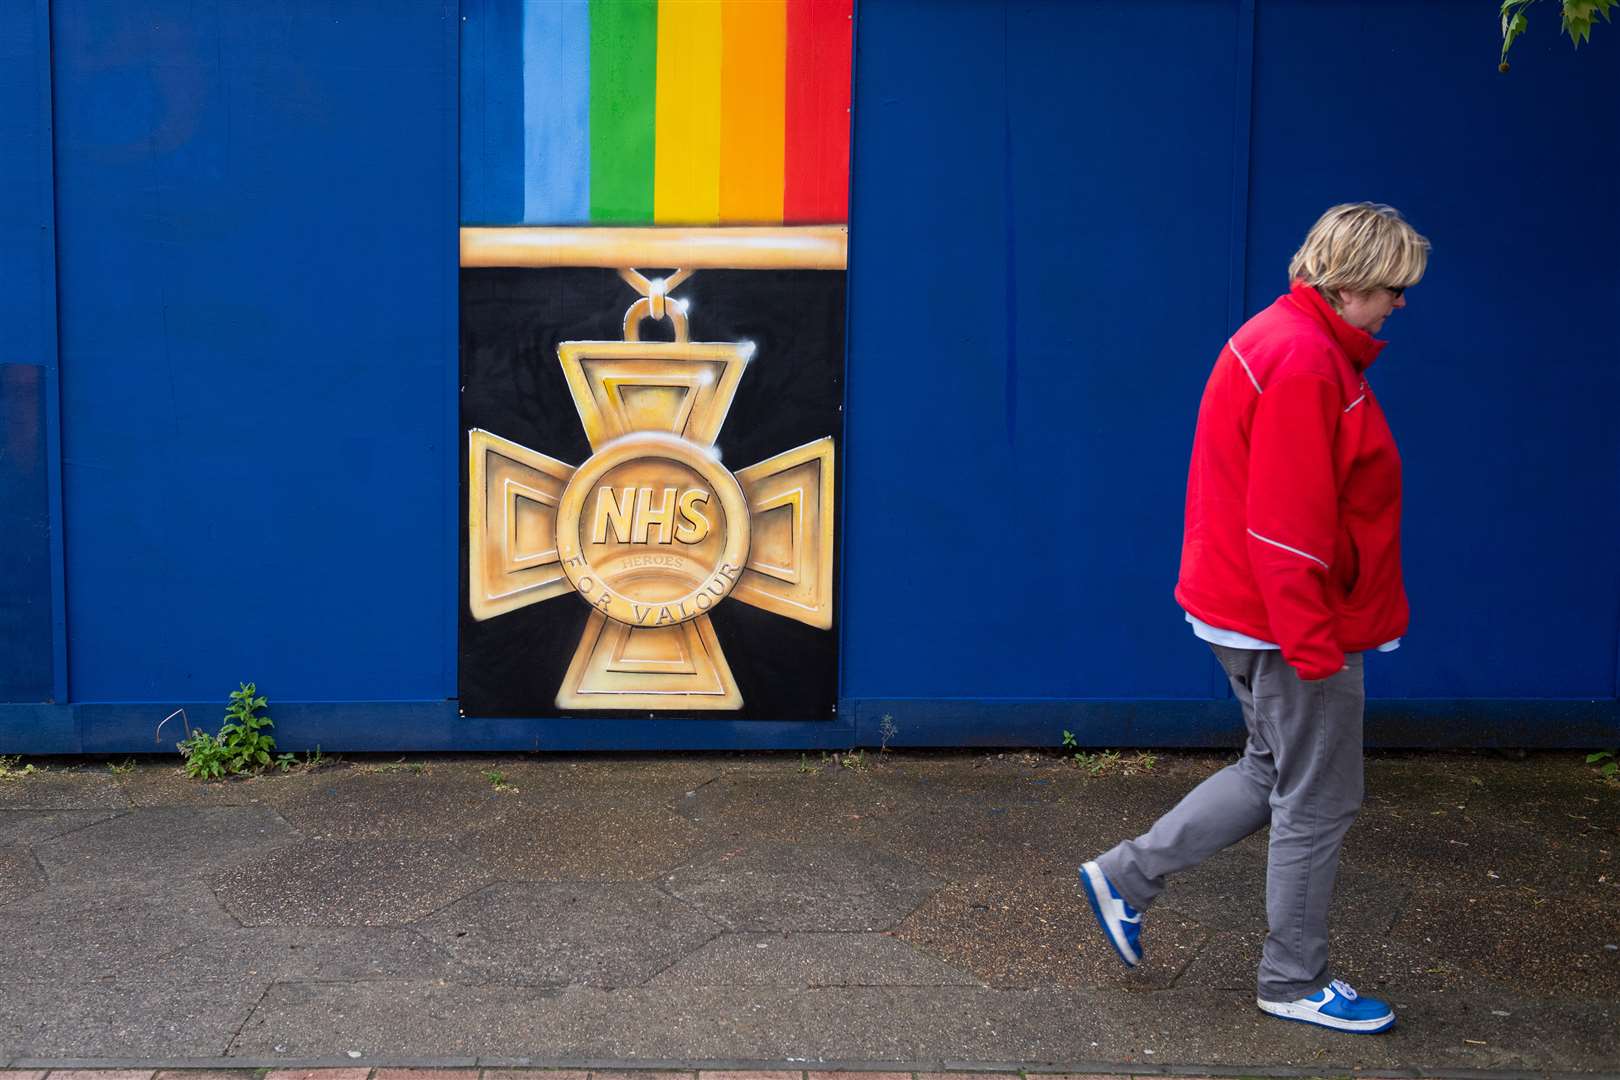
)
(652, 531)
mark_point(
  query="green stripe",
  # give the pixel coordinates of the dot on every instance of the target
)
(624, 84)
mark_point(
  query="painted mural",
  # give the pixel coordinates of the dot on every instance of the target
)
(653, 246)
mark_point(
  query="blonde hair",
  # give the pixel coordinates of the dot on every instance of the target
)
(1360, 246)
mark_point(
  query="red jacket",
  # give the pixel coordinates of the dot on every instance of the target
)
(1293, 528)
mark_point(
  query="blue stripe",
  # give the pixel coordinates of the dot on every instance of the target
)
(491, 112)
(556, 112)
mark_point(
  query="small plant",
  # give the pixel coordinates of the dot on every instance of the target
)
(1097, 764)
(205, 756)
(11, 768)
(1107, 761)
(1607, 762)
(242, 745)
(313, 759)
(805, 768)
(886, 731)
(243, 734)
(497, 780)
(119, 768)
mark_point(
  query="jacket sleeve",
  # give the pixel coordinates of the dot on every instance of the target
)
(1293, 505)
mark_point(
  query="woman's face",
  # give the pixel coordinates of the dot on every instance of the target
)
(1368, 310)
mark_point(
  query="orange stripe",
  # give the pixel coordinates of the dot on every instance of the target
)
(753, 87)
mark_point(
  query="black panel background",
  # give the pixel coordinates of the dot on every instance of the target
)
(512, 386)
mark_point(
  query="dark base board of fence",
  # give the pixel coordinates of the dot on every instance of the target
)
(356, 726)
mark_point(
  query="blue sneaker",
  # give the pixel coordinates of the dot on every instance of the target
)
(1335, 1006)
(1121, 923)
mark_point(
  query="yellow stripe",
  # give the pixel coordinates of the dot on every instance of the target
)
(686, 184)
(753, 88)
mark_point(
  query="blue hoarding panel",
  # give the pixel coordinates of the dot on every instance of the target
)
(25, 565)
(28, 362)
(1040, 253)
(1502, 372)
(1059, 213)
(257, 207)
(492, 191)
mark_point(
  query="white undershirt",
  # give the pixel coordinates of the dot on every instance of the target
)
(1233, 640)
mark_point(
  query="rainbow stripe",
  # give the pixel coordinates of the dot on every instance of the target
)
(667, 112)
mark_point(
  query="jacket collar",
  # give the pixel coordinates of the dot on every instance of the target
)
(1361, 347)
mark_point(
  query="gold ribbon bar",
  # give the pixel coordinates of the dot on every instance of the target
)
(798, 247)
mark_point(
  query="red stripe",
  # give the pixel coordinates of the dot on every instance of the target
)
(816, 173)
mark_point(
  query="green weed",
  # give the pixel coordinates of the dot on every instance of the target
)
(242, 746)
(12, 768)
(1104, 762)
(1608, 764)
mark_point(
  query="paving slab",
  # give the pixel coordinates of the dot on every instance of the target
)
(351, 883)
(143, 1018)
(1026, 931)
(1483, 931)
(797, 802)
(93, 931)
(317, 952)
(1221, 894)
(387, 1020)
(575, 933)
(20, 874)
(1479, 850)
(803, 887)
(369, 804)
(174, 841)
(157, 780)
(807, 960)
(597, 836)
(57, 787)
(32, 826)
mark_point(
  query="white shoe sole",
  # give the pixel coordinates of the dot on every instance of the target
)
(1304, 1014)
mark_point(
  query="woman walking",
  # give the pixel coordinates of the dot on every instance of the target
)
(1291, 571)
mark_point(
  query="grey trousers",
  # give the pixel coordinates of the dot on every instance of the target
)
(1301, 773)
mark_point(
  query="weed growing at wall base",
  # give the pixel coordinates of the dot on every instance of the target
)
(11, 768)
(1608, 764)
(242, 745)
(1107, 761)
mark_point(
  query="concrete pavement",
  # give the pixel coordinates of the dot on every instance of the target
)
(905, 912)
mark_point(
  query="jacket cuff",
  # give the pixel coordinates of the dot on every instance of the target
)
(1317, 665)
